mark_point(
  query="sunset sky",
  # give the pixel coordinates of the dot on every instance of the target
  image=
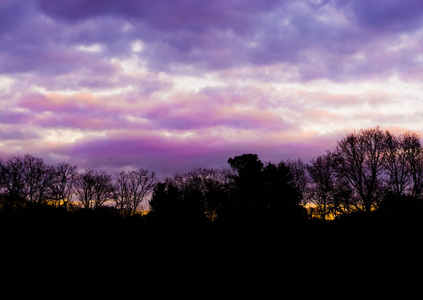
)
(172, 85)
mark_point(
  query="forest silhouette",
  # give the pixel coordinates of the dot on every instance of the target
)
(372, 183)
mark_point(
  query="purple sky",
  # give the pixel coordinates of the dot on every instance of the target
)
(173, 85)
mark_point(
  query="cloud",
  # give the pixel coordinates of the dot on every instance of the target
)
(216, 107)
(12, 117)
(7, 134)
(325, 39)
(179, 84)
(243, 109)
(82, 111)
(396, 15)
(164, 15)
(170, 154)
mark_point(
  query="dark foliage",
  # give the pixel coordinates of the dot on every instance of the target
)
(262, 194)
(371, 183)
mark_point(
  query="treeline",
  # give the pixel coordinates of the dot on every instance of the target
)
(250, 191)
(27, 180)
(368, 171)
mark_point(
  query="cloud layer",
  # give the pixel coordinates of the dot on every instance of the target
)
(174, 85)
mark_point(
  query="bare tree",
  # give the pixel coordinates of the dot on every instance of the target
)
(62, 185)
(417, 174)
(400, 151)
(122, 191)
(359, 158)
(202, 179)
(131, 188)
(413, 152)
(38, 178)
(93, 188)
(103, 188)
(322, 183)
(211, 186)
(12, 178)
(84, 187)
(298, 170)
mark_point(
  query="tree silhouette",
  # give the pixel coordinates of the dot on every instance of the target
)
(265, 193)
(371, 176)
(131, 188)
(360, 158)
(211, 187)
(38, 177)
(412, 151)
(322, 186)
(12, 178)
(281, 193)
(63, 183)
(248, 183)
(93, 188)
(166, 202)
(298, 171)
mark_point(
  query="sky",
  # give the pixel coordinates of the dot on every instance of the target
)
(174, 85)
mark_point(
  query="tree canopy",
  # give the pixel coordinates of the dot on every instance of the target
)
(369, 170)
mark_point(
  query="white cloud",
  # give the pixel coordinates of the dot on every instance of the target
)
(68, 136)
(94, 48)
(137, 46)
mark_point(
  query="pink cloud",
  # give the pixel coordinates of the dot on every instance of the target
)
(168, 155)
(125, 110)
(82, 111)
(202, 36)
(59, 103)
(211, 108)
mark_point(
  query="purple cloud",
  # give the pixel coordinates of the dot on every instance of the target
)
(16, 134)
(181, 84)
(210, 35)
(164, 15)
(168, 155)
(396, 15)
(230, 109)
(81, 111)
(11, 117)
